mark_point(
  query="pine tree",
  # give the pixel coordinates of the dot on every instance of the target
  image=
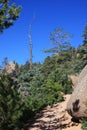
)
(85, 35)
(83, 49)
(8, 14)
(81, 59)
(11, 106)
(60, 39)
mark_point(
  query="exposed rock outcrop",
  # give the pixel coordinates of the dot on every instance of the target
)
(74, 79)
(10, 68)
(76, 106)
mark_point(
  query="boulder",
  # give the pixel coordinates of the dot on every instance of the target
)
(77, 105)
(10, 68)
(74, 79)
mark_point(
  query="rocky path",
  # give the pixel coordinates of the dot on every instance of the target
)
(54, 118)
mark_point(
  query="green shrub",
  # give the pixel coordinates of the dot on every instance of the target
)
(11, 107)
(52, 92)
(84, 124)
(60, 76)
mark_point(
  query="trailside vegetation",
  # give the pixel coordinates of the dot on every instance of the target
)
(26, 91)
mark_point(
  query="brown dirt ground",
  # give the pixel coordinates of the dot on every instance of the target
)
(54, 118)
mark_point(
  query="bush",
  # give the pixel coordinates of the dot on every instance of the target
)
(11, 107)
(60, 76)
(52, 92)
(84, 124)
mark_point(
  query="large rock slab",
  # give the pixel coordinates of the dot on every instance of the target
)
(10, 68)
(74, 79)
(76, 106)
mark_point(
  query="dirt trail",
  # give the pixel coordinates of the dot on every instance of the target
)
(54, 118)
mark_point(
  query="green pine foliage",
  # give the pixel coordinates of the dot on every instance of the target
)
(52, 92)
(8, 14)
(81, 59)
(34, 83)
(41, 87)
(60, 76)
(27, 91)
(11, 106)
(84, 124)
(60, 39)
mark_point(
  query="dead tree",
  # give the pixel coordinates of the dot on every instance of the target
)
(30, 37)
(31, 43)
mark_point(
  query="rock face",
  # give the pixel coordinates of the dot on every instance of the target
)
(74, 80)
(76, 106)
(10, 68)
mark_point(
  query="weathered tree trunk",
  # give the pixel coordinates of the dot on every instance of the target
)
(30, 37)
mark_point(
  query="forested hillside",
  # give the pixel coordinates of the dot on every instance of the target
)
(26, 91)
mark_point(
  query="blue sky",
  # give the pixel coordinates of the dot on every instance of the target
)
(49, 14)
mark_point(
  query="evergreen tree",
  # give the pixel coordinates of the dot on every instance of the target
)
(85, 35)
(8, 14)
(82, 50)
(11, 105)
(60, 40)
